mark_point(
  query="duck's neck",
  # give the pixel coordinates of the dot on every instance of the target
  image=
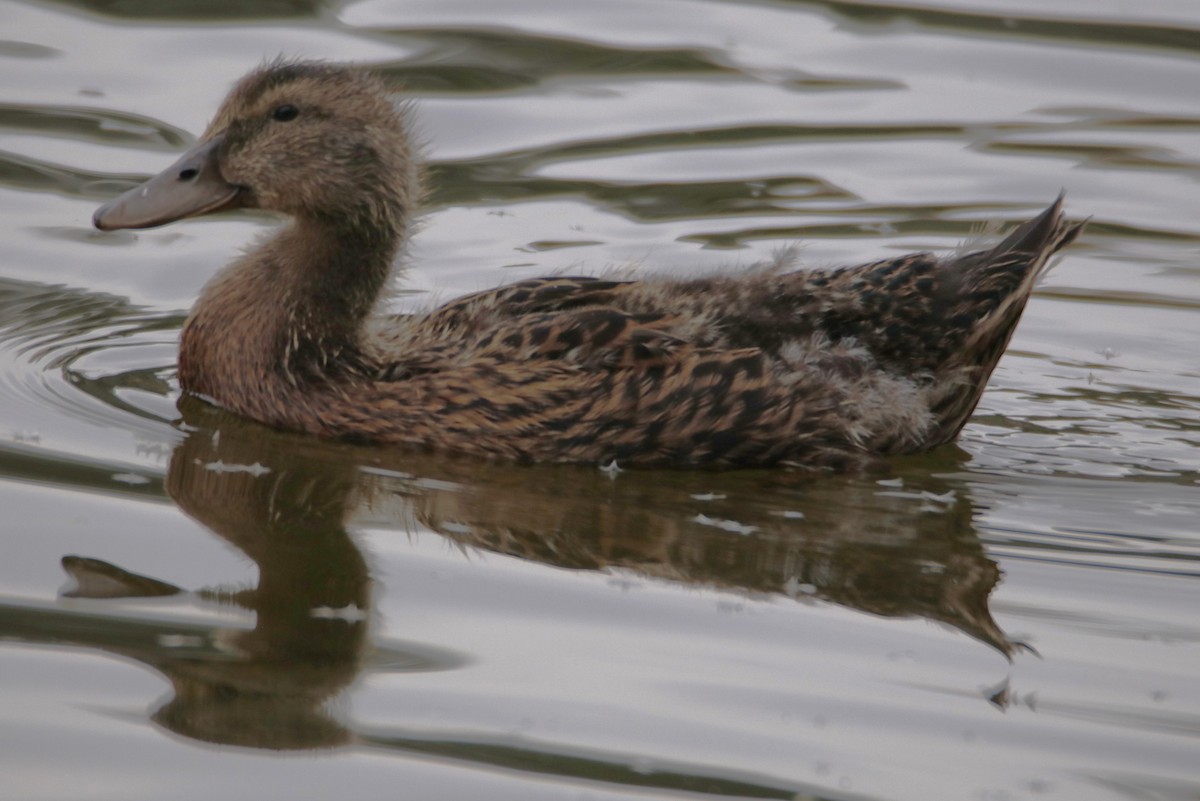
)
(286, 317)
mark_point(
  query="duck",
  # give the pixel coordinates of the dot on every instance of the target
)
(818, 369)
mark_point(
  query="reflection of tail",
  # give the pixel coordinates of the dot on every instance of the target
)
(990, 289)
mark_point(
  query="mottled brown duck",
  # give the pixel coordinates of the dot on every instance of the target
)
(829, 368)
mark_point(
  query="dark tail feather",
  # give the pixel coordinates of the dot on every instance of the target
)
(1033, 236)
(1029, 245)
(1041, 237)
(1008, 273)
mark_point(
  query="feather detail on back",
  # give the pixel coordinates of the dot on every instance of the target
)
(888, 357)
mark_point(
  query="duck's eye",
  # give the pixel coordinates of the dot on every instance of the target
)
(285, 113)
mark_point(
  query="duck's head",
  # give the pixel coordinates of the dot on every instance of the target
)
(319, 141)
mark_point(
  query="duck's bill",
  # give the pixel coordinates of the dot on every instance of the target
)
(188, 188)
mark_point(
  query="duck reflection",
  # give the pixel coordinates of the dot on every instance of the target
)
(286, 502)
(266, 686)
(309, 604)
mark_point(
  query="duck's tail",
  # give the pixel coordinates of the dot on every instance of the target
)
(993, 286)
(1023, 254)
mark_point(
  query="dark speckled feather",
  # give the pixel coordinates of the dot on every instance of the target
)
(820, 369)
(817, 368)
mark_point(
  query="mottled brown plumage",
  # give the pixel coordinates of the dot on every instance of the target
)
(823, 368)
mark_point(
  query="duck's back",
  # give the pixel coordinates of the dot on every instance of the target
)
(822, 368)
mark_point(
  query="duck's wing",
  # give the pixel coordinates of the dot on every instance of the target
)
(544, 318)
(593, 337)
(466, 314)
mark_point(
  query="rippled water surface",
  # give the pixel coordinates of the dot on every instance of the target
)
(192, 606)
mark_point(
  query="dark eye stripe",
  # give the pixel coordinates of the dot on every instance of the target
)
(285, 113)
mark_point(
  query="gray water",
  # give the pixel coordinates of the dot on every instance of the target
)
(192, 606)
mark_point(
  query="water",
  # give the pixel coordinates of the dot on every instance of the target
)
(192, 606)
